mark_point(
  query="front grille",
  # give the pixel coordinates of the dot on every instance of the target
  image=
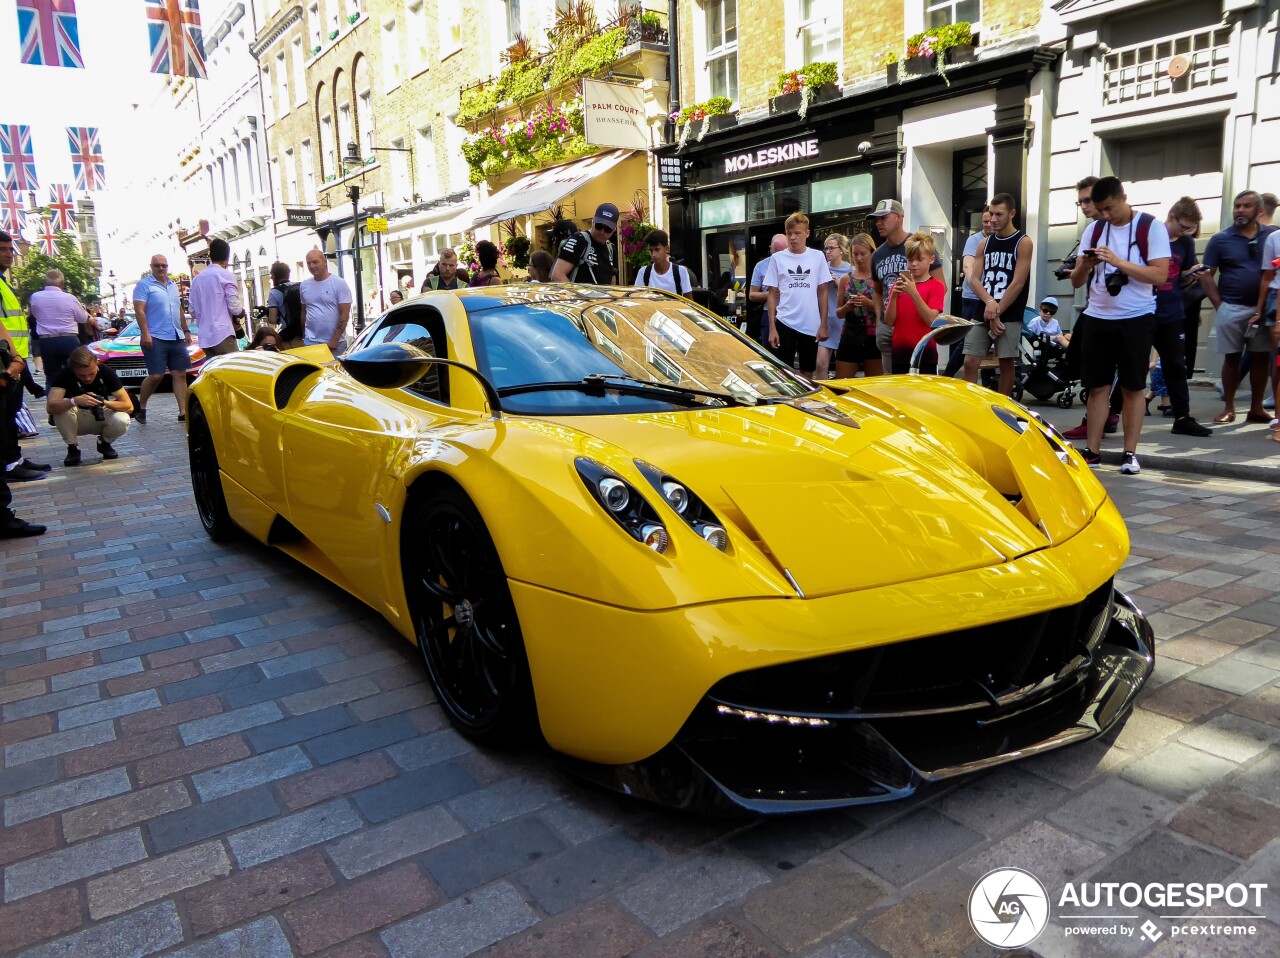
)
(965, 669)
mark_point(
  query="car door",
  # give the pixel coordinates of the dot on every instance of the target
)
(345, 453)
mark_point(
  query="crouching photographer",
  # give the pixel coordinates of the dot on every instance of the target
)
(86, 399)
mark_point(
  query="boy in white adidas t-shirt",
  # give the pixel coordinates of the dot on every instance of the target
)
(799, 282)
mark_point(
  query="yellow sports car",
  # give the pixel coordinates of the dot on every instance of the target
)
(602, 514)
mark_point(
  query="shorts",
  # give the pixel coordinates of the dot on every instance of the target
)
(167, 355)
(884, 342)
(1117, 348)
(1230, 324)
(835, 329)
(795, 346)
(856, 346)
(1008, 344)
(228, 345)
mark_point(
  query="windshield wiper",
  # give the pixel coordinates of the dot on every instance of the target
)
(597, 384)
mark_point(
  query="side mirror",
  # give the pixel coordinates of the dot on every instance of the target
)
(396, 365)
(949, 330)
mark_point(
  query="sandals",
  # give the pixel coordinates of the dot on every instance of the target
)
(1224, 417)
(1259, 417)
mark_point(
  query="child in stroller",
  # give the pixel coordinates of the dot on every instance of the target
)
(1043, 367)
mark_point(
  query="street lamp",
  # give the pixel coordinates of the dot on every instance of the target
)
(111, 281)
(351, 162)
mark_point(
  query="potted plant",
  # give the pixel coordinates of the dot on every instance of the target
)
(921, 56)
(889, 60)
(797, 89)
(957, 43)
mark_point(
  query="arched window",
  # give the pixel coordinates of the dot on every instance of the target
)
(342, 106)
(364, 107)
(324, 120)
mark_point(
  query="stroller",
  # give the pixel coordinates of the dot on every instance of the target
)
(1042, 371)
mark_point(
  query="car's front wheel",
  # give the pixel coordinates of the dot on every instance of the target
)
(206, 481)
(465, 620)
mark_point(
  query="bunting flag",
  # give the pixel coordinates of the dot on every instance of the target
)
(62, 207)
(86, 158)
(47, 237)
(177, 46)
(49, 34)
(19, 158)
(12, 214)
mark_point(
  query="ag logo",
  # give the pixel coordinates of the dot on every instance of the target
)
(1008, 908)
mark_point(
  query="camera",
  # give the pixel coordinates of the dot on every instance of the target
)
(1115, 282)
(99, 412)
(1064, 271)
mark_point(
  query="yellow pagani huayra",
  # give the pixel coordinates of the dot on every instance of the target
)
(604, 515)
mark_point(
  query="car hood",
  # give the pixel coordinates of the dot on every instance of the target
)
(108, 350)
(851, 497)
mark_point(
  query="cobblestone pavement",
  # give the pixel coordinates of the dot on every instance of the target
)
(209, 749)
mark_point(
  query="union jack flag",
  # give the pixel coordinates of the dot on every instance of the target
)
(49, 34)
(19, 158)
(62, 206)
(12, 215)
(176, 39)
(86, 158)
(47, 236)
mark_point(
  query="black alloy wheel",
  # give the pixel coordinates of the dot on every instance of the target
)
(465, 621)
(206, 482)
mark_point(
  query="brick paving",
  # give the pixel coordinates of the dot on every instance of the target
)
(208, 750)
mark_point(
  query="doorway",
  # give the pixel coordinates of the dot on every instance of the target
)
(968, 198)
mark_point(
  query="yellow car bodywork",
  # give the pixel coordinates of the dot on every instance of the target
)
(926, 514)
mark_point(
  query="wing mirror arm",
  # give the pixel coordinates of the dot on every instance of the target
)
(396, 365)
(490, 394)
(947, 330)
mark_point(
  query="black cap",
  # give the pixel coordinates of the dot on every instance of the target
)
(607, 214)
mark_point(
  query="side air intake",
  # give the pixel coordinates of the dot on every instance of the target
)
(290, 378)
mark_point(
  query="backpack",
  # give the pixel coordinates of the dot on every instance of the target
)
(1144, 221)
(291, 311)
(647, 272)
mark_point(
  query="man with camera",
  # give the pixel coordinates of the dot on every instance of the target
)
(86, 399)
(1122, 257)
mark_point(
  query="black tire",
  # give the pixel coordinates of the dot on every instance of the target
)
(206, 481)
(1018, 392)
(465, 620)
(1066, 399)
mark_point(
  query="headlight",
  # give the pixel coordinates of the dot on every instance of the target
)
(624, 504)
(677, 495)
(687, 506)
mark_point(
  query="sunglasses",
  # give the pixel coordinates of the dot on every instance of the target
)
(603, 227)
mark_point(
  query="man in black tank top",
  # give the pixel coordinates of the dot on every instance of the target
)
(1001, 282)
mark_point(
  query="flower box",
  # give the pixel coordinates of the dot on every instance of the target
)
(721, 121)
(921, 66)
(790, 102)
(965, 53)
(891, 73)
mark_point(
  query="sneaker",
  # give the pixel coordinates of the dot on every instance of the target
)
(106, 449)
(1186, 426)
(1079, 432)
(23, 474)
(1113, 422)
(1090, 457)
(1130, 466)
(182, 417)
(28, 434)
(73, 456)
(140, 414)
(38, 467)
(16, 528)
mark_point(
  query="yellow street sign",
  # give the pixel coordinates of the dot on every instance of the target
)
(376, 224)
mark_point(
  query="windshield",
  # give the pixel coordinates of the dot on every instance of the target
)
(647, 337)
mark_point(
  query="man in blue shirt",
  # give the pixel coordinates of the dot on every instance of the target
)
(164, 336)
(971, 305)
(758, 296)
(1235, 254)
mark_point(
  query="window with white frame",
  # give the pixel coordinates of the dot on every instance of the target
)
(513, 20)
(400, 186)
(458, 169)
(314, 25)
(364, 119)
(307, 185)
(820, 28)
(275, 182)
(391, 70)
(282, 79)
(424, 151)
(940, 13)
(346, 133)
(299, 72)
(328, 160)
(290, 194)
(450, 17)
(722, 47)
(415, 15)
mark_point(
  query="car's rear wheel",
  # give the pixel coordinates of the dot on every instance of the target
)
(465, 620)
(206, 481)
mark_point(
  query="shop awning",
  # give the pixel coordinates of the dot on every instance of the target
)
(537, 191)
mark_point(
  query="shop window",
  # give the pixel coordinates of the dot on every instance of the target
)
(821, 30)
(722, 211)
(722, 47)
(842, 193)
(940, 13)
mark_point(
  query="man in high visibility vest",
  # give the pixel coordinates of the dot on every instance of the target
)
(11, 527)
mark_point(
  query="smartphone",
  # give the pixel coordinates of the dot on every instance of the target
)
(1197, 269)
(1088, 252)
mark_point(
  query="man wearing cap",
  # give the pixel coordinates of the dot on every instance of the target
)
(587, 256)
(1046, 324)
(888, 262)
